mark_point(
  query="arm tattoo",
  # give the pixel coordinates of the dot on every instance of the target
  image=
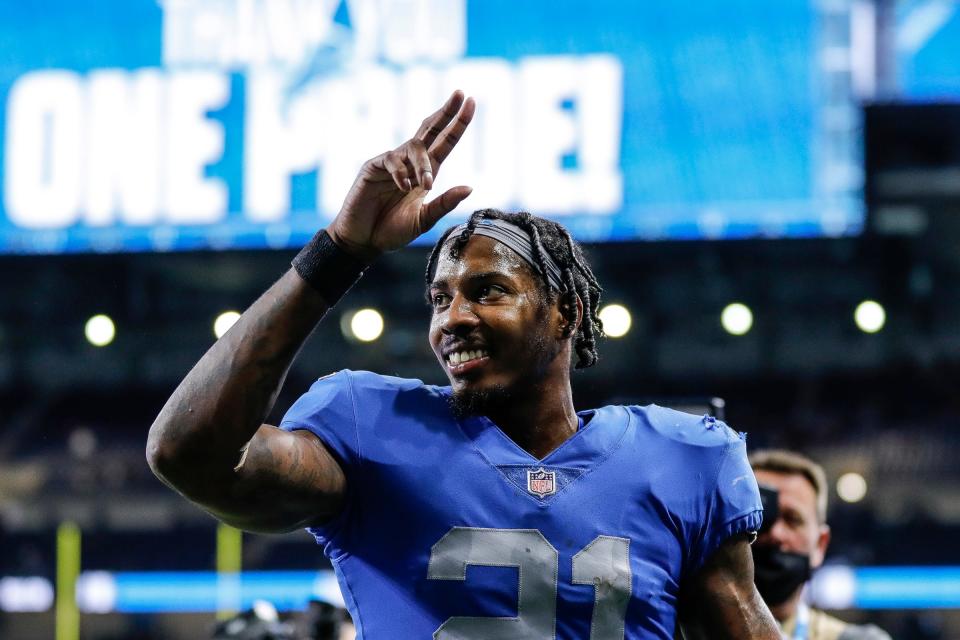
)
(219, 408)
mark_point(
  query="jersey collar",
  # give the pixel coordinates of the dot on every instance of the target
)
(602, 432)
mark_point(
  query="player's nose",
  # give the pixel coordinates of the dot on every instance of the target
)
(461, 316)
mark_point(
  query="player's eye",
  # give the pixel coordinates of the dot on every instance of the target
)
(488, 291)
(439, 299)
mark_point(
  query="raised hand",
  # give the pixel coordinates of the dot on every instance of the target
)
(385, 208)
(219, 408)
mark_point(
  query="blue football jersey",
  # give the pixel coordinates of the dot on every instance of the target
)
(451, 530)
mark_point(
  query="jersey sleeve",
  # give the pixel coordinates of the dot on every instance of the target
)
(328, 410)
(349, 411)
(734, 505)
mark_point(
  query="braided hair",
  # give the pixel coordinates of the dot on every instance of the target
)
(578, 280)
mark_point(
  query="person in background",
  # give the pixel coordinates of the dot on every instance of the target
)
(793, 544)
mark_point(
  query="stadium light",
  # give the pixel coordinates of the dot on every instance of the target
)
(851, 487)
(224, 321)
(100, 330)
(870, 316)
(736, 318)
(366, 325)
(834, 587)
(616, 320)
(25, 594)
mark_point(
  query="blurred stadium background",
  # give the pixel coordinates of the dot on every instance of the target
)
(161, 162)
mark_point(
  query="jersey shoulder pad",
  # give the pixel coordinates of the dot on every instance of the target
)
(687, 428)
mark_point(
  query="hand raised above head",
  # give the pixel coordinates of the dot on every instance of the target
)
(385, 208)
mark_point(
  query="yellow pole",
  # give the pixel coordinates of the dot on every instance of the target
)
(229, 559)
(68, 568)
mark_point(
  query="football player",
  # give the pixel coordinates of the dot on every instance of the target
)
(485, 509)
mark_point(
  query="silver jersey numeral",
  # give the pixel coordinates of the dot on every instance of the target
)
(526, 549)
(604, 563)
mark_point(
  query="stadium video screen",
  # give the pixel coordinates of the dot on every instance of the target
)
(155, 125)
(927, 48)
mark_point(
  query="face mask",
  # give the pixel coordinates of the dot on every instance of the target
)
(777, 573)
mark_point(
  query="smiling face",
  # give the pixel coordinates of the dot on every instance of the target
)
(493, 332)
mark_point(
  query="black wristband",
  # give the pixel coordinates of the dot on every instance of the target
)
(328, 268)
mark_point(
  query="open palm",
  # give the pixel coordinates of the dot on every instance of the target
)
(386, 208)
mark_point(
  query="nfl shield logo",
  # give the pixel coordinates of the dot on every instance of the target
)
(541, 482)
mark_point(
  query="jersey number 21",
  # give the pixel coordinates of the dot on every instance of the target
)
(604, 563)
